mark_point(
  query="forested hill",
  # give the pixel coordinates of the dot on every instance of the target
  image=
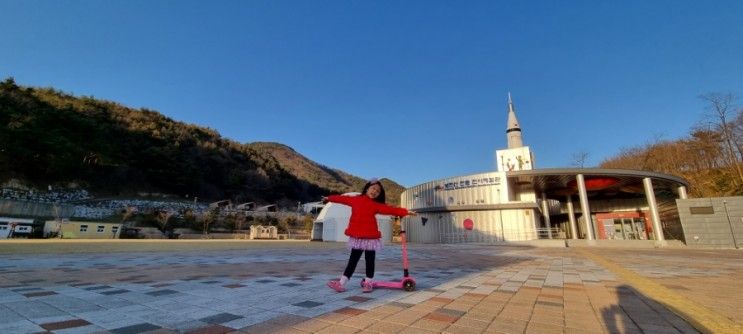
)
(710, 157)
(49, 137)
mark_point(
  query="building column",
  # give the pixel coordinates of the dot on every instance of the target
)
(502, 227)
(585, 208)
(650, 195)
(682, 192)
(571, 217)
(546, 215)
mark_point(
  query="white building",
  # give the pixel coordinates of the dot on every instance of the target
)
(67, 229)
(18, 227)
(517, 202)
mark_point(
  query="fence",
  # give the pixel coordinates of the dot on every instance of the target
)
(550, 233)
(510, 235)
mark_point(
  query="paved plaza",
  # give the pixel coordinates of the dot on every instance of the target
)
(462, 288)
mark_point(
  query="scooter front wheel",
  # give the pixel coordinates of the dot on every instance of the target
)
(408, 285)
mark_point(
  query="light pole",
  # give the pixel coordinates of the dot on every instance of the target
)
(732, 231)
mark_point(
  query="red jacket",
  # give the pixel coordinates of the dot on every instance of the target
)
(363, 223)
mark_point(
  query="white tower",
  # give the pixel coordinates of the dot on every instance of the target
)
(513, 131)
(516, 156)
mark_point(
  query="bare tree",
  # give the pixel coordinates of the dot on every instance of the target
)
(721, 110)
(163, 217)
(579, 159)
(650, 156)
(240, 220)
(738, 131)
(127, 213)
(627, 158)
(207, 218)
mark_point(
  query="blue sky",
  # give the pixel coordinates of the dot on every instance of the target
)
(409, 90)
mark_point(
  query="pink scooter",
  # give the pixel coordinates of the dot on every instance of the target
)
(407, 282)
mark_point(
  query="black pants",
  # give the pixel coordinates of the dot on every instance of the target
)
(354, 260)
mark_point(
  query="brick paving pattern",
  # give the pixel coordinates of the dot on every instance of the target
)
(464, 288)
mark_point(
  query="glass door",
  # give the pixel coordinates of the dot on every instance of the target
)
(610, 229)
(625, 228)
(639, 226)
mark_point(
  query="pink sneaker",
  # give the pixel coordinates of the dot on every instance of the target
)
(367, 286)
(336, 285)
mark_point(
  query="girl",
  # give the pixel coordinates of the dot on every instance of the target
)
(363, 232)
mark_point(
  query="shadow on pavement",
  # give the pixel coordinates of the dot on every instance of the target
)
(637, 313)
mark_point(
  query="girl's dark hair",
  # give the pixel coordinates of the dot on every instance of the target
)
(381, 197)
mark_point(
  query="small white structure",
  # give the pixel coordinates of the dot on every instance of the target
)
(267, 208)
(264, 232)
(245, 206)
(311, 207)
(18, 227)
(331, 223)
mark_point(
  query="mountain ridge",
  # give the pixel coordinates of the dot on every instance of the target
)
(48, 137)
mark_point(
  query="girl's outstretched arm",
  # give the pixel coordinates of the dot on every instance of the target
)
(393, 211)
(339, 199)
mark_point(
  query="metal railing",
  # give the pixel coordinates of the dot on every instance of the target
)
(498, 236)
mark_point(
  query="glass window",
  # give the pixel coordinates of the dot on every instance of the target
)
(101, 228)
(83, 228)
(114, 229)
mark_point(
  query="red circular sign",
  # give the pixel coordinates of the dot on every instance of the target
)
(468, 224)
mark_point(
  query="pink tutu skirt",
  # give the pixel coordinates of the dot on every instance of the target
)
(365, 244)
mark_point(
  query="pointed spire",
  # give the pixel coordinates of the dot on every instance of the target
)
(513, 131)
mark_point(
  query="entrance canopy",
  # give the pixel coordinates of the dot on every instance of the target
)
(600, 183)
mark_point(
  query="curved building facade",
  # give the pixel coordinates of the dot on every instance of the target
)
(518, 202)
